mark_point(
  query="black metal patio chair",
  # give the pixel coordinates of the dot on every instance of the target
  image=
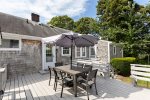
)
(50, 70)
(91, 79)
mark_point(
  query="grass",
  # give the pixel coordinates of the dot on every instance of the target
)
(129, 81)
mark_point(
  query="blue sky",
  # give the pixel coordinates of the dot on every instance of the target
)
(91, 8)
(50, 8)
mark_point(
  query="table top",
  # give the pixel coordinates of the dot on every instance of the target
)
(73, 71)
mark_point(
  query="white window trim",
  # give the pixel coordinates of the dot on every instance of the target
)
(12, 49)
(114, 50)
(90, 51)
(65, 54)
(80, 53)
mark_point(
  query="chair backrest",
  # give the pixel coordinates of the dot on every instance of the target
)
(58, 74)
(89, 67)
(80, 65)
(92, 75)
(55, 72)
(58, 64)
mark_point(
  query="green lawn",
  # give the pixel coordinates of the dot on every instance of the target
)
(129, 80)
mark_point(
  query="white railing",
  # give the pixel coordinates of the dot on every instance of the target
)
(140, 72)
(3, 78)
(105, 69)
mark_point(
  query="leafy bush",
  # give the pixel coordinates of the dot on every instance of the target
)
(122, 65)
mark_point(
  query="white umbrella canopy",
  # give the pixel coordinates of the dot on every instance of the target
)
(71, 39)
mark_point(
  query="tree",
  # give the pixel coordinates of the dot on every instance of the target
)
(123, 21)
(86, 25)
(62, 22)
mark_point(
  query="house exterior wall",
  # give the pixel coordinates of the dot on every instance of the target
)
(66, 59)
(119, 51)
(102, 51)
(28, 60)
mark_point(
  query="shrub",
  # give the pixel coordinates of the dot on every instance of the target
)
(122, 65)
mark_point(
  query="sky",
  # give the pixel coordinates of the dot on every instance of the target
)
(50, 8)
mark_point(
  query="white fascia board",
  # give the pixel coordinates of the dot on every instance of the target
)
(7, 35)
(106, 41)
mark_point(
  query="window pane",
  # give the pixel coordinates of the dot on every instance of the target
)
(65, 50)
(83, 51)
(78, 51)
(7, 43)
(49, 57)
(92, 51)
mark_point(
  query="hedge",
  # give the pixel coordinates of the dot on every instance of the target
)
(122, 65)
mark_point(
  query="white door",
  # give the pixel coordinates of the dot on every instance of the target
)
(49, 56)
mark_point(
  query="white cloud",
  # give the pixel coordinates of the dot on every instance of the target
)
(45, 8)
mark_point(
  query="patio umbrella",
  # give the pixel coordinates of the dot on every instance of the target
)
(71, 39)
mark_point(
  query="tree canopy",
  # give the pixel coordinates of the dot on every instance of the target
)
(62, 22)
(86, 25)
(124, 21)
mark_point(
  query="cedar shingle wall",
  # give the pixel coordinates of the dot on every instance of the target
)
(28, 60)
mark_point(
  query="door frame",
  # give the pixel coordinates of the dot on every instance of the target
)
(44, 63)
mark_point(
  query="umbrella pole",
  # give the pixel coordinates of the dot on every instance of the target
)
(71, 51)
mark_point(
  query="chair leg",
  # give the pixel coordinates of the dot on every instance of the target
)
(96, 89)
(62, 90)
(87, 90)
(56, 86)
(50, 77)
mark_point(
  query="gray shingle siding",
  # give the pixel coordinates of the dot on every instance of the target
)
(118, 51)
(28, 60)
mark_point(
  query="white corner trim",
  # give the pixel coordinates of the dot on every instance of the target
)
(43, 56)
(18, 36)
(65, 54)
(122, 52)
(108, 52)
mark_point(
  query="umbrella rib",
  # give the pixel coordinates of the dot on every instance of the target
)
(67, 37)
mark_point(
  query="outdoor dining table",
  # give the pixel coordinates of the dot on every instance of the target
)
(73, 72)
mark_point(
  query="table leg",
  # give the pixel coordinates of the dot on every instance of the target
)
(75, 85)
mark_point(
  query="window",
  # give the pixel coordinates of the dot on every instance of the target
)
(65, 51)
(114, 50)
(83, 49)
(80, 52)
(10, 44)
(92, 51)
(49, 57)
